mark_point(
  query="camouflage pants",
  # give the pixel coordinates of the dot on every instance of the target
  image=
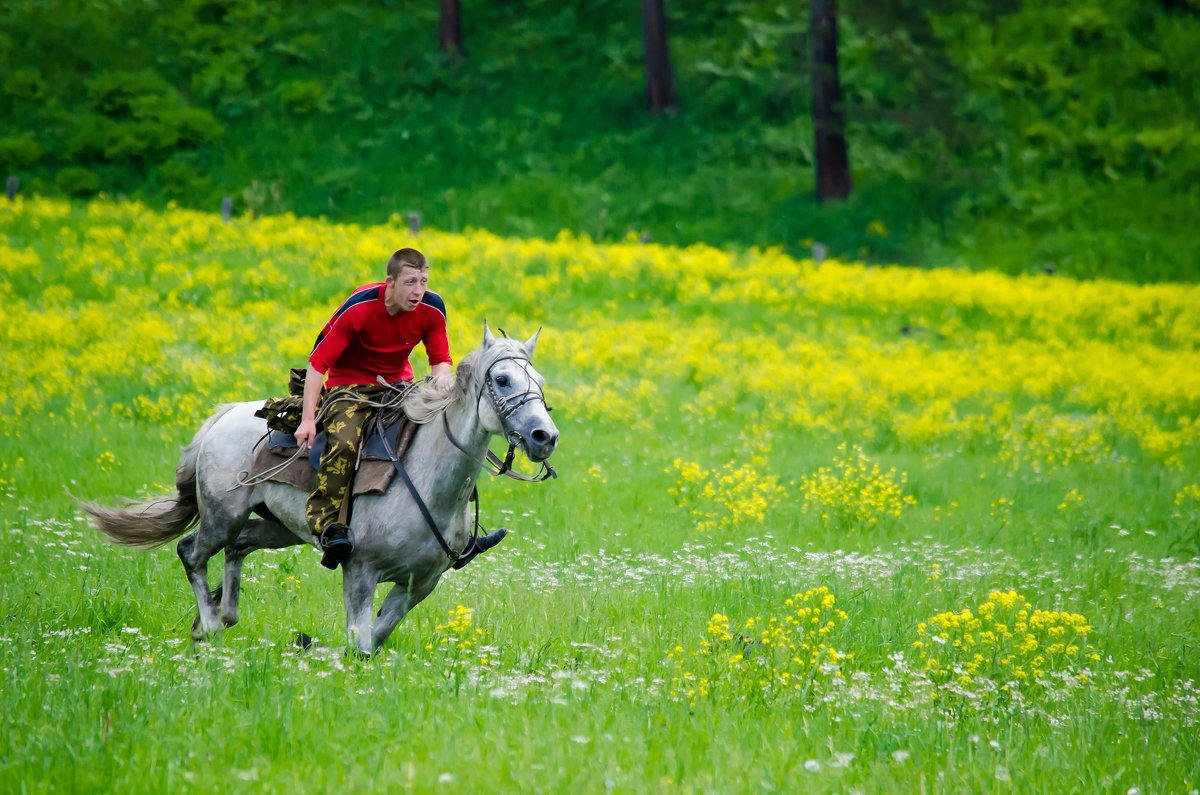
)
(344, 426)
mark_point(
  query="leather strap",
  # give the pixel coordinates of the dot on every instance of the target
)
(502, 467)
(416, 495)
(412, 489)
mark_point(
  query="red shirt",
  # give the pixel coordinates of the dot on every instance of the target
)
(363, 340)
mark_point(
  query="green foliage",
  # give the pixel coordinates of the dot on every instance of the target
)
(76, 181)
(987, 131)
(25, 84)
(19, 151)
(182, 177)
(302, 97)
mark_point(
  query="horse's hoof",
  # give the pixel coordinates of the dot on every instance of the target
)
(304, 641)
(198, 634)
(204, 639)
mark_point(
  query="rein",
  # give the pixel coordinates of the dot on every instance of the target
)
(504, 408)
(424, 509)
(502, 467)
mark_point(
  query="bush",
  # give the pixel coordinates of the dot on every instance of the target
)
(301, 97)
(179, 178)
(76, 181)
(18, 152)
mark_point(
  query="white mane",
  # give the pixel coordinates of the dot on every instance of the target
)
(433, 395)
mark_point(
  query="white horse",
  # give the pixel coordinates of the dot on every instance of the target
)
(495, 392)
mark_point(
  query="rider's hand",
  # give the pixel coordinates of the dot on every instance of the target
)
(306, 433)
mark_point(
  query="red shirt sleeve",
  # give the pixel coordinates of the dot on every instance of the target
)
(437, 342)
(333, 340)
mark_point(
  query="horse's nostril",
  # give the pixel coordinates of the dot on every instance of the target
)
(544, 438)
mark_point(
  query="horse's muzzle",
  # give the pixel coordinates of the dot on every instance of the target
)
(540, 442)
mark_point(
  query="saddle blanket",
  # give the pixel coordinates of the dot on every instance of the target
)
(374, 473)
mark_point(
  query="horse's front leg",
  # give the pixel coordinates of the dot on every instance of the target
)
(396, 605)
(358, 592)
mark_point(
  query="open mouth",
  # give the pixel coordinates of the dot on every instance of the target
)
(536, 450)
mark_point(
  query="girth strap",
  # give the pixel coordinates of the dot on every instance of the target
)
(429, 520)
(412, 489)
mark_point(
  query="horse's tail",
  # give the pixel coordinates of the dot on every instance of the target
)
(152, 523)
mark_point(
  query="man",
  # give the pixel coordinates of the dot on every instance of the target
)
(370, 336)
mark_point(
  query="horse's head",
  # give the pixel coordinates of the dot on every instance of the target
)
(509, 393)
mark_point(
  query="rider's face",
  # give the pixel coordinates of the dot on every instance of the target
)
(404, 292)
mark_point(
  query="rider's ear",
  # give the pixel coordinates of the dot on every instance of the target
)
(531, 343)
(488, 339)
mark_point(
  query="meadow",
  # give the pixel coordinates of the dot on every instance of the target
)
(821, 527)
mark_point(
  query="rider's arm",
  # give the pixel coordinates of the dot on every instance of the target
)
(313, 381)
(437, 343)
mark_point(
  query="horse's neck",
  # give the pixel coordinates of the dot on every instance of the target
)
(435, 460)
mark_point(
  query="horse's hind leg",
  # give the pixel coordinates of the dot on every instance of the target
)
(194, 551)
(194, 556)
(257, 534)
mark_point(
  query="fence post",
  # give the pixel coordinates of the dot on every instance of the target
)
(12, 186)
(414, 223)
(226, 208)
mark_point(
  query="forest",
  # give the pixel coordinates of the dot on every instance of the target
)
(985, 134)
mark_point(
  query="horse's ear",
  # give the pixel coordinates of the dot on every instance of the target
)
(531, 343)
(488, 339)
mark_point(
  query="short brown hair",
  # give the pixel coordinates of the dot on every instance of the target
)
(406, 258)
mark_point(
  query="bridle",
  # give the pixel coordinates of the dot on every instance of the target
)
(505, 407)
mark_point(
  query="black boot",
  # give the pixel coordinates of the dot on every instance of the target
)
(482, 544)
(336, 544)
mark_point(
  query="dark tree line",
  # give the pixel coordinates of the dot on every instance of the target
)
(450, 40)
(828, 106)
(661, 96)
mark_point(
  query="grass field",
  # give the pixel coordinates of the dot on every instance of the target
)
(826, 528)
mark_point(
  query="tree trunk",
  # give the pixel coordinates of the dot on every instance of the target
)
(450, 29)
(828, 109)
(660, 84)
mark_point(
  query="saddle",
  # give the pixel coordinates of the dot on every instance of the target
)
(372, 475)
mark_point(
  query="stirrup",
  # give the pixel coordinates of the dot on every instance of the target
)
(482, 544)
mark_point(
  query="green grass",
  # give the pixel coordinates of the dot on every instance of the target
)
(564, 702)
(580, 607)
(603, 574)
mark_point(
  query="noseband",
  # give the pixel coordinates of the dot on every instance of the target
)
(505, 407)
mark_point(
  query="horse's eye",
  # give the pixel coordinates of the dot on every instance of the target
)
(501, 380)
